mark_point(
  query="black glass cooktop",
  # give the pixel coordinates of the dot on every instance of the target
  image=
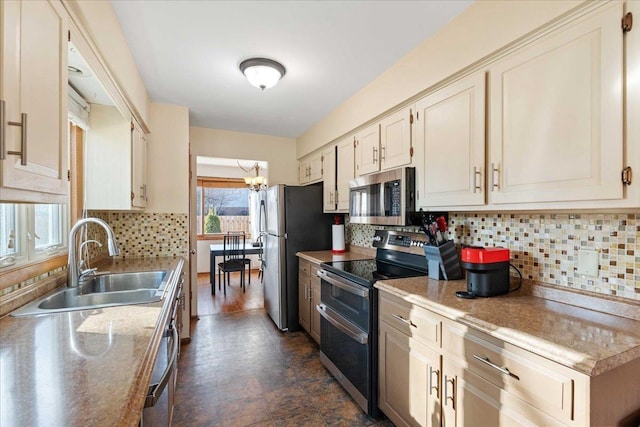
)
(367, 271)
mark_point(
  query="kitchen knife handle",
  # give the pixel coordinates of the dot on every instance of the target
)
(495, 182)
(476, 173)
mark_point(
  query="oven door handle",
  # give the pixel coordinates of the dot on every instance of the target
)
(335, 281)
(343, 325)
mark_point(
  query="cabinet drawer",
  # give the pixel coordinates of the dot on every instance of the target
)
(534, 379)
(304, 267)
(314, 272)
(416, 322)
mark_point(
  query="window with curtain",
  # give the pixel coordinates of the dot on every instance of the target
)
(222, 205)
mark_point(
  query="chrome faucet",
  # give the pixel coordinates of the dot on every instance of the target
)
(73, 269)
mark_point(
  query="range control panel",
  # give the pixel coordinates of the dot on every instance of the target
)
(399, 241)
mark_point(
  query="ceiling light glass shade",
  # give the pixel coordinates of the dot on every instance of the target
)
(261, 72)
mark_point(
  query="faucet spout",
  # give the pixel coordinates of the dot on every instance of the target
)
(73, 270)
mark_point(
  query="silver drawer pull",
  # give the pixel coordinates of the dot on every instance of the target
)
(488, 362)
(431, 386)
(403, 320)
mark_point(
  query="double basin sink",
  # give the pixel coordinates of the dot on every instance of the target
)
(102, 290)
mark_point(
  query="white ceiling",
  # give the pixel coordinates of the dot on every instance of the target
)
(188, 54)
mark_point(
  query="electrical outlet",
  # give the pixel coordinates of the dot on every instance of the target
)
(588, 262)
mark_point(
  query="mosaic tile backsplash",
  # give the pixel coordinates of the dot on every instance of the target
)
(545, 246)
(143, 235)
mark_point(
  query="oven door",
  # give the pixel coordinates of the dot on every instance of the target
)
(348, 299)
(344, 350)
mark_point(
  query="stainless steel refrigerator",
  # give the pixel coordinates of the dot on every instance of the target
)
(295, 222)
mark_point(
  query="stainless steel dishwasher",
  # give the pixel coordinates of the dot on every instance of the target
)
(158, 407)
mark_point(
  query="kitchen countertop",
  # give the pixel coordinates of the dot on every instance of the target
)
(87, 367)
(586, 340)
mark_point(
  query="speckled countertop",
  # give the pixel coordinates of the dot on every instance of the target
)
(81, 368)
(567, 326)
(586, 340)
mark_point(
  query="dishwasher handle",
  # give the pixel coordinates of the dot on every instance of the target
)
(155, 390)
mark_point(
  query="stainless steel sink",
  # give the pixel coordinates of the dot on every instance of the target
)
(103, 290)
(116, 282)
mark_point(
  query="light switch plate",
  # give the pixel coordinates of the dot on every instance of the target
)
(588, 262)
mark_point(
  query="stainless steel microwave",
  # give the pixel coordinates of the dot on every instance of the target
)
(383, 198)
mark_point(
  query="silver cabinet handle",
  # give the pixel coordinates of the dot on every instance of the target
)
(403, 320)
(23, 135)
(476, 174)
(375, 150)
(495, 183)
(431, 386)
(488, 362)
(453, 391)
(382, 153)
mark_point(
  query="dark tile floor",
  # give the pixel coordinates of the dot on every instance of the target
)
(239, 370)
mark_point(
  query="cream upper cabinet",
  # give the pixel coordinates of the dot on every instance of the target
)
(115, 166)
(556, 115)
(329, 179)
(139, 187)
(367, 150)
(450, 131)
(310, 168)
(33, 93)
(395, 139)
(345, 172)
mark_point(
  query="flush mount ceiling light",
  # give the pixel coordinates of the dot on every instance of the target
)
(262, 72)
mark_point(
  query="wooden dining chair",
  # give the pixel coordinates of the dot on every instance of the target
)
(234, 258)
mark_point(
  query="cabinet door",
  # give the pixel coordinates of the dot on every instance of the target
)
(450, 127)
(315, 168)
(329, 179)
(33, 90)
(304, 314)
(395, 139)
(409, 379)
(345, 168)
(468, 401)
(368, 150)
(315, 300)
(303, 171)
(556, 108)
(139, 168)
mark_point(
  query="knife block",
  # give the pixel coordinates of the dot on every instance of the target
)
(443, 260)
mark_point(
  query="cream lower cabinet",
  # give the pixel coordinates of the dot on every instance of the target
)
(556, 115)
(33, 96)
(308, 298)
(436, 371)
(409, 384)
(314, 300)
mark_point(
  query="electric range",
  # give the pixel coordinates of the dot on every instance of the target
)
(349, 310)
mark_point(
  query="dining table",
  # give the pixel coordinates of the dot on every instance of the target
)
(218, 250)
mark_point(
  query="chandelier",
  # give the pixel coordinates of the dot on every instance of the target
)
(257, 182)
